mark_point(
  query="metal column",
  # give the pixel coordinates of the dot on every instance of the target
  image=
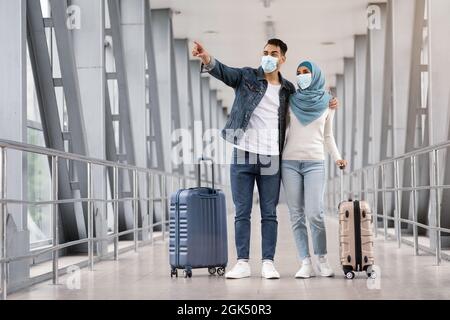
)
(374, 89)
(206, 105)
(155, 149)
(387, 121)
(349, 74)
(195, 75)
(387, 133)
(340, 125)
(166, 75)
(181, 47)
(214, 139)
(76, 134)
(206, 102)
(417, 130)
(132, 19)
(167, 80)
(71, 214)
(3, 220)
(439, 28)
(13, 126)
(91, 75)
(358, 101)
(155, 144)
(118, 119)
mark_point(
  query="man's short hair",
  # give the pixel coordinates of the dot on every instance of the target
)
(278, 43)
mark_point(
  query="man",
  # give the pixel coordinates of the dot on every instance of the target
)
(256, 127)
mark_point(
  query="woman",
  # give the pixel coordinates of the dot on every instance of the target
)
(303, 167)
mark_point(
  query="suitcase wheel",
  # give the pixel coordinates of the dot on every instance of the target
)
(187, 273)
(174, 272)
(370, 273)
(350, 275)
(212, 270)
(221, 271)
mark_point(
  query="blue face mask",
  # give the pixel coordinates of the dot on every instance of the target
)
(304, 80)
(269, 64)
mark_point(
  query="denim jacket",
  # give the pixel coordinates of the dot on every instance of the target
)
(250, 87)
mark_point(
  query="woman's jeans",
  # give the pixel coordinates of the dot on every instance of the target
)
(304, 184)
(246, 169)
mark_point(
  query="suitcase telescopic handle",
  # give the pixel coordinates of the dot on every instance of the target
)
(341, 178)
(199, 171)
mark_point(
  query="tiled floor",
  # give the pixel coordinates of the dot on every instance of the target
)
(145, 275)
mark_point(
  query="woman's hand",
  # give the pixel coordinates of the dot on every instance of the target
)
(341, 163)
(334, 103)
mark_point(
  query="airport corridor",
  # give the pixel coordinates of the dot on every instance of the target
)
(123, 124)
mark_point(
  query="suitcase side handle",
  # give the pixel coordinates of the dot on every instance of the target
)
(199, 170)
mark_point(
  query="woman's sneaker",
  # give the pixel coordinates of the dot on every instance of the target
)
(324, 268)
(306, 271)
(239, 271)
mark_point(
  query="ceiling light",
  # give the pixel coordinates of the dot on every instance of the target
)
(211, 32)
(328, 43)
(270, 29)
(266, 3)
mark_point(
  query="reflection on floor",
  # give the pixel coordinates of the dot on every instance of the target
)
(145, 275)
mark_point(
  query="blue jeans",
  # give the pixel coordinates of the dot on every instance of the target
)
(246, 169)
(304, 184)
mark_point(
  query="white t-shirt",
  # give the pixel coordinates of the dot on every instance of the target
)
(261, 136)
(310, 142)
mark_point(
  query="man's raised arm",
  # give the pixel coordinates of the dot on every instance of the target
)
(230, 76)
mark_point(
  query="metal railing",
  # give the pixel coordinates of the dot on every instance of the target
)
(167, 183)
(365, 182)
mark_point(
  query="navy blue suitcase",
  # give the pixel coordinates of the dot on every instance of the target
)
(198, 229)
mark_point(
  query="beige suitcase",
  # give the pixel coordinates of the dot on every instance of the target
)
(356, 237)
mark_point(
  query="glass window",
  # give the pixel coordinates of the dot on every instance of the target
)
(38, 175)
(39, 189)
(45, 7)
(32, 99)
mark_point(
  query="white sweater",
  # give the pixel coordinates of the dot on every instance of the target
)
(310, 142)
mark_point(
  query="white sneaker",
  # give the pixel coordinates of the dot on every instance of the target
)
(239, 271)
(324, 268)
(306, 271)
(268, 270)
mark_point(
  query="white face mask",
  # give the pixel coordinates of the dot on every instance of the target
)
(269, 64)
(304, 80)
